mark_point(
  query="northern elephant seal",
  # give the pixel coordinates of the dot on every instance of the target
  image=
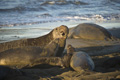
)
(90, 31)
(21, 57)
(80, 61)
(59, 32)
(31, 56)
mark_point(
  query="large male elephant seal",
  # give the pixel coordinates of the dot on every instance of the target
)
(90, 31)
(59, 32)
(21, 57)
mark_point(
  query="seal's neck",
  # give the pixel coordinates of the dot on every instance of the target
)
(44, 40)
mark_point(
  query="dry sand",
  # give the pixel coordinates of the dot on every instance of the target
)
(105, 54)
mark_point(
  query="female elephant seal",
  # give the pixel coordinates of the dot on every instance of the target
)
(59, 32)
(90, 31)
(21, 57)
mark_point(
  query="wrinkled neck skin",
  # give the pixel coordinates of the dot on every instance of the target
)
(50, 49)
(44, 40)
(54, 48)
(62, 43)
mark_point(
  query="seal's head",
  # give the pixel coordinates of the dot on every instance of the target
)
(70, 49)
(61, 32)
(67, 57)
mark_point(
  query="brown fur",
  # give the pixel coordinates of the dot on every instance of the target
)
(70, 49)
(67, 57)
(21, 57)
(57, 61)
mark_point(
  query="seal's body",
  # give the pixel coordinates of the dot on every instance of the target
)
(21, 57)
(90, 31)
(59, 32)
(81, 61)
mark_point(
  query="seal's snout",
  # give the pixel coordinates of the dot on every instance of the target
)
(62, 33)
(70, 49)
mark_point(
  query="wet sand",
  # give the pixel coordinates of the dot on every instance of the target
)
(105, 54)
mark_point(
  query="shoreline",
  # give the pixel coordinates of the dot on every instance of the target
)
(16, 34)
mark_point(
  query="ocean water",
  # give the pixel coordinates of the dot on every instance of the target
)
(40, 16)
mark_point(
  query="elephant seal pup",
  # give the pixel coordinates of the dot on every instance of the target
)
(81, 61)
(90, 31)
(59, 32)
(21, 57)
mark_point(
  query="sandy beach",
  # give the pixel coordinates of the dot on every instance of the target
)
(23, 19)
(105, 54)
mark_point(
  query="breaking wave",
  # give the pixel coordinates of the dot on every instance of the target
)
(49, 19)
(28, 12)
